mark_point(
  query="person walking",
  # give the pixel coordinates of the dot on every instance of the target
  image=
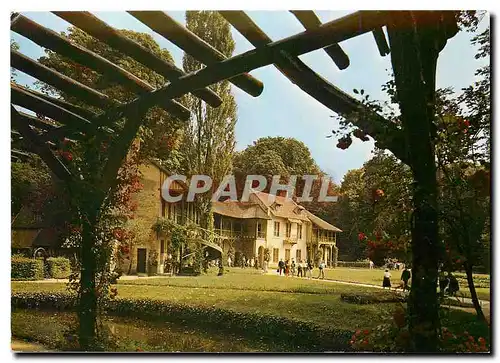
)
(387, 279)
(309, 269)
(371, 264)
(443, 282)
(453, 286)
(293, 266)
(287, 268)
(299, 269)
(229, 261)
(281, 266)
(321, 270)
(243, 261)
(405, 277)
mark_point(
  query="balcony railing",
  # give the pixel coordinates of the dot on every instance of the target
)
(323, 239)
(290, 240)
(261, 234)
(234, 234)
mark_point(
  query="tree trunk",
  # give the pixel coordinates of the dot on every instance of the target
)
(473, 293)
(415, 46)
(87, 309)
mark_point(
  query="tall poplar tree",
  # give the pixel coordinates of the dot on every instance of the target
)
(209, 140)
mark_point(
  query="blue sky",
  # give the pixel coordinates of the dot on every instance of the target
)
(283, 109)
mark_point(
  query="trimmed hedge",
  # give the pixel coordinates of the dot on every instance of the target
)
(371, 298)
(59, 267)
(23, 268)
(354, 264)
(302, 335)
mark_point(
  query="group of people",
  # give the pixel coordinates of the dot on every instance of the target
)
(405, 278)
(302, 268)
(448, 284)
(243, 262)
(394, 264)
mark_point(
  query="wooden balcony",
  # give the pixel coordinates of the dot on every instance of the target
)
(226, 233)
(323, 240)
(290, 240)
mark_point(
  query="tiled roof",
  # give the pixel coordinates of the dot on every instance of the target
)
(281, 206)
(321, 223)
(243, 210)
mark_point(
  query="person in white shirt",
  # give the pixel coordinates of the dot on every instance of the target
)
(300, 265)
(229, 261)
(321, 270)
(387, 279)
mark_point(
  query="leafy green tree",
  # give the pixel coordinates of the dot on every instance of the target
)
(410, 134)
(361, 210)
(463, 154)
(282, 156)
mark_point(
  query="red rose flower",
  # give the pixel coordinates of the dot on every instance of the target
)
(67, 155)
(366, 332)
(361, 236)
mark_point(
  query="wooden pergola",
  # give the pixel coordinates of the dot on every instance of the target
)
(76, 123)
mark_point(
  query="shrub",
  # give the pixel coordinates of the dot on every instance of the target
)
(354, 264)
(372, 298)
(59, 267)
(23, 268)
(394, 336)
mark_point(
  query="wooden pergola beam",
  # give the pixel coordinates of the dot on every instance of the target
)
(315, 85)
(51, 40)
(382, 45)
(36, 104)
(331, 32)
(111, 36)
(85, 113)
(60, 81)
(192, 44)
(35, 122)
(311, 21)
(42, 149)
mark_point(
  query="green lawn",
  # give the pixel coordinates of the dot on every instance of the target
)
(47, 328)
(313, 301)
(375, 276)
(321, 309)
(251, 279)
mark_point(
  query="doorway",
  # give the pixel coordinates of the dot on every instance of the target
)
(261, 256)
(141, 260)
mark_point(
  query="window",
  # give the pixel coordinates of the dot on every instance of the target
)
(299, 231)
(287, 255)
(288, 230)
(162, 246)
(275, 254)
(260, 234)
(163, 205)
(276, 229)
(298, 255)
